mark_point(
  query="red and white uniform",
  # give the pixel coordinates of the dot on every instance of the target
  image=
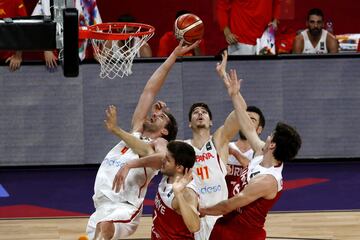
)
(248, 222)
(167, 223)
(235, 178)
(209, 173)
(123, 208)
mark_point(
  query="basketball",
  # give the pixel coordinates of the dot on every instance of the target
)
(189, 27)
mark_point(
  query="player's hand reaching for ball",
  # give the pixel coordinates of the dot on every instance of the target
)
(182, 48)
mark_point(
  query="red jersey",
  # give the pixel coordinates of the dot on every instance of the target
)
(247, 19)
(11, 8)
(167, 223)
(236, 178)
(168, 42)
(248, 222)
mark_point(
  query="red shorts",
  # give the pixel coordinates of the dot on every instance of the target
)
(232, 229)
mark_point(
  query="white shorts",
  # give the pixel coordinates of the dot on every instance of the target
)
(206, 225)
(241, 49)
(126, 218)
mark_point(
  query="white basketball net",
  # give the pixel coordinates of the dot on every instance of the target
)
(116, 56)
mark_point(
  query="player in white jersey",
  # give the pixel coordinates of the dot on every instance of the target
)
(175, 214)
(212, 152)
(263, 181)
(315, 40)
(240, 152)
(117, 214)
(211, 155)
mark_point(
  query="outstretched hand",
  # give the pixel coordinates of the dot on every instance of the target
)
(232, 83)
(221, 67)
(120, 177)
(111, 118)
(180, 183)
(182, 48)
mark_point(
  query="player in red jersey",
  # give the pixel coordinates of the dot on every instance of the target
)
(175, 213)
(245, 213)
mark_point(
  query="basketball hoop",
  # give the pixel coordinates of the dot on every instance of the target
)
(116, 45)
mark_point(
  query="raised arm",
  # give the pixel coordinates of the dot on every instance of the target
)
(186, 201)
(226, 132)
(154, 85)
(140, 147)
(233, 85)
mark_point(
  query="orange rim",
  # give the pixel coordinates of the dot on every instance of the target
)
(98, 31)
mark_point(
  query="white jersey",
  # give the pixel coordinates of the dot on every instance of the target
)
(166, 193)
(320, 46)
(250, 219)
(255, 169)
(209, 173)
(249, 154)
(135, 184)
(123, 208)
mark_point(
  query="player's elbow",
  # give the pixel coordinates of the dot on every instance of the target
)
(194, 227)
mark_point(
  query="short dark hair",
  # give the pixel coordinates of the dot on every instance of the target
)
(315, 11)
(126, 18)
(183, 153)
(288, 142)
(171, 127)
(199, 104)
(257, 110)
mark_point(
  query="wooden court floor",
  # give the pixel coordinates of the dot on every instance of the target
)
(309, 226)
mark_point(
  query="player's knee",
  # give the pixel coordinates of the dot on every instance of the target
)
(107, 230)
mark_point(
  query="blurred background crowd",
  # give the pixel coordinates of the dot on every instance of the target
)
(234, 24)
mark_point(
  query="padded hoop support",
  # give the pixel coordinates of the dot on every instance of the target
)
(30, 33)
(71, 45)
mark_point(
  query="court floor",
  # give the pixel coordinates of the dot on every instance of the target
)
(321, 201)
(279, 226)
